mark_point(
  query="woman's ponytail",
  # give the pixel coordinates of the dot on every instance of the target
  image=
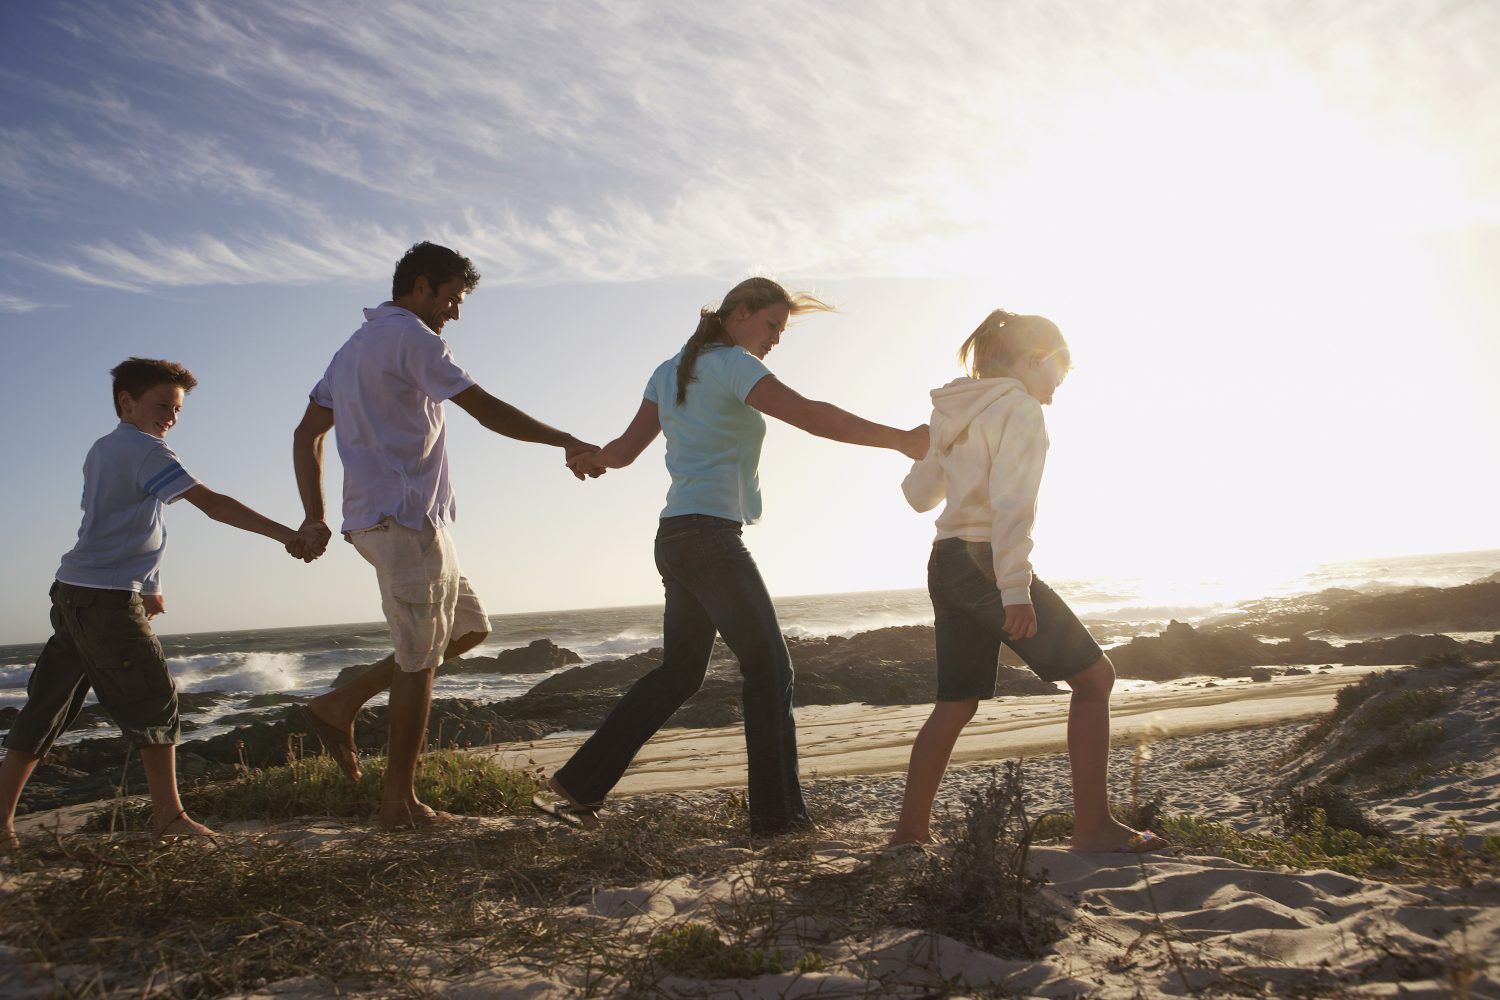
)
(710, 330)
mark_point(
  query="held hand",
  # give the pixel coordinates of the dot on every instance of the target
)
(588, 464)
(575, 449)
(1020, 621)
(312, 540)
(916, 443)
(299, 548)
(153, 605)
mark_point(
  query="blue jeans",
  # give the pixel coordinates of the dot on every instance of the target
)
(712, 586)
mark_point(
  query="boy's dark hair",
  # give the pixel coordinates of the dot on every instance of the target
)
(435, 263)
(136, 375)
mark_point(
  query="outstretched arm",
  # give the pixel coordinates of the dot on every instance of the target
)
(775, 399)
(307, 462)
(502, 418)
(643, 429)
(228, 510)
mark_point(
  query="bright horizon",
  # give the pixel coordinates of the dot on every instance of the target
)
(1271, 246)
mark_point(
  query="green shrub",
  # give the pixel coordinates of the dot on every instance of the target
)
(1400, 707)
(980, 891)
(1308, 807)
(1208, 762)
(697, 952)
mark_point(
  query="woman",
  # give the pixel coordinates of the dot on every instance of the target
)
(708, 401)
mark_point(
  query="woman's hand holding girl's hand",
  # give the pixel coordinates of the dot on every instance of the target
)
(588, 465)
(915, 443)
(1020, 621)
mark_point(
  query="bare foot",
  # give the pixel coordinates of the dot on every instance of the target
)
(899, 839)
(337, 739)
(180, 827)
(8, 839)
(412, 815)
(1115, 837)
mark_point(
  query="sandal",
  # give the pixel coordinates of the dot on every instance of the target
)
(565, 811)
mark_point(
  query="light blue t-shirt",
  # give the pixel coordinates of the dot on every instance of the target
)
(127, 477)
(714, 437)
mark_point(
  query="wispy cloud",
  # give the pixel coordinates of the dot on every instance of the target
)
(16, 304)
(607, 142)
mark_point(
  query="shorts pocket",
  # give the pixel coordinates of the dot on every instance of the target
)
(132, 670)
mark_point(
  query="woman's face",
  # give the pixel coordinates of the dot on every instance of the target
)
(759, 331)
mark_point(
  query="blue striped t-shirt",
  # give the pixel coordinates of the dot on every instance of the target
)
(127, 477)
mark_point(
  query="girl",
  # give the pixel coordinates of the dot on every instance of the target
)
(708, 401)
(988, 445)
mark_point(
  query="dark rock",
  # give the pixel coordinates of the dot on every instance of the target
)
(539, 657)
(1260, 676)
(1468, 608)
(1296, 671)
(271, 699)
(190, 765)
(349, 673)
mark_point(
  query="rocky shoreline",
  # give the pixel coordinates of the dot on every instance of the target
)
(888, 666)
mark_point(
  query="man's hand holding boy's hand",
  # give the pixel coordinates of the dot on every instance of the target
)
(153, 605)
(310, 542)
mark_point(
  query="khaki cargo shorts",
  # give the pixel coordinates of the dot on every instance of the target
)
(426, 599)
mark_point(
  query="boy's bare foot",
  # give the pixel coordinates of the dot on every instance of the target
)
(1115, 837)
(180, 826)
(337, 740)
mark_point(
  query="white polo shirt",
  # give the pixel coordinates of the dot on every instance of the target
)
(386, 388)
(127, 477)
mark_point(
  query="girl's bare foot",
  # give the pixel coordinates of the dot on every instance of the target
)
(8, 839)
(1115, 837)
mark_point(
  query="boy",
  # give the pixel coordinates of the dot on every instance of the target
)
(107, 589)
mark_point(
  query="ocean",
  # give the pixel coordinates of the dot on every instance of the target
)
(304, 661)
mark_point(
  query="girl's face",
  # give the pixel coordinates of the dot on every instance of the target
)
(1041, 374)
(759, 331)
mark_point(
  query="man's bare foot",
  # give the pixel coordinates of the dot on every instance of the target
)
(412, 815)
(1115, 837)
(337, 739)
(180, 826)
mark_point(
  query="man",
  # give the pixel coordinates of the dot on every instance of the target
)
(383, 394)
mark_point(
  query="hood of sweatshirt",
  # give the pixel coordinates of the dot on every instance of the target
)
(957, 404)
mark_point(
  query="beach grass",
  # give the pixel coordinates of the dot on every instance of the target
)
(449, 780)
(1314, 843)
(391, 911)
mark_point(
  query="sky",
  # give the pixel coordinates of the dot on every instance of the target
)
(1268, 230)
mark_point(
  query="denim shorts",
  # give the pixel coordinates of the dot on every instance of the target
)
(970, 622)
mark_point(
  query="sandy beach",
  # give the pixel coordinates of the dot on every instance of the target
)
(836, 740)
(812, 916)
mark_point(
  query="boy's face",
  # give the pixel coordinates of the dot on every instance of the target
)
(153, 411)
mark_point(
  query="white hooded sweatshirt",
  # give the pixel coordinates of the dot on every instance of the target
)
(989, 443)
